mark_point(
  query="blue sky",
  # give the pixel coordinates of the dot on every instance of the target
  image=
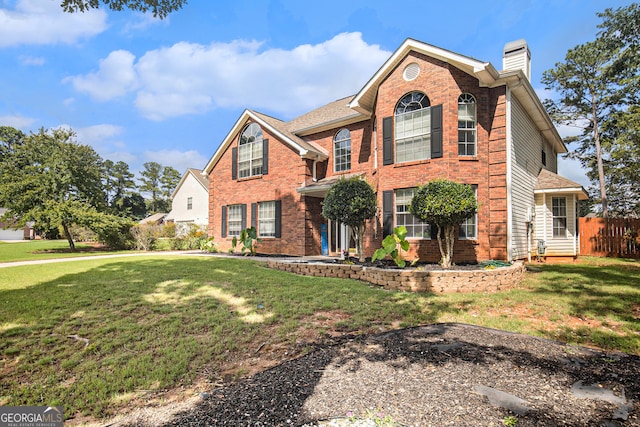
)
(140, 89)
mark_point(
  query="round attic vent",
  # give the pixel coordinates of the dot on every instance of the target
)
(411, 71)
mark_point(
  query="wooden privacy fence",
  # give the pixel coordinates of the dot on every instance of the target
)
(613, 237)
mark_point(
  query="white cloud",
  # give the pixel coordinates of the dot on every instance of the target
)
(32, 60)
(98, 133)
(103, 138)
(18, 122)
(190, 78)
(41, 22)
(114, 78)
(179, 160)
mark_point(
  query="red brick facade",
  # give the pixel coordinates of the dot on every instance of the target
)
(301, 216)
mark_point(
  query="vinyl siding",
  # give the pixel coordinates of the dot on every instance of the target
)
(526, 161)
(556, 246)
(199, 212)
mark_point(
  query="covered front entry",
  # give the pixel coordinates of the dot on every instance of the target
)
(339, 236)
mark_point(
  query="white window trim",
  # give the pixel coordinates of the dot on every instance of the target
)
(232, 212)
(338, 138)
(554, 216)
(251, 147)
(263, 219)
(475, 217)
(474, 130)
(425, 226)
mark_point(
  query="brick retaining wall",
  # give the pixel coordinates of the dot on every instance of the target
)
(413, 280)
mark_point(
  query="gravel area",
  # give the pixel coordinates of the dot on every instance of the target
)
(437, 375)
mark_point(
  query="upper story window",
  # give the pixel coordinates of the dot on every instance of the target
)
(189, 203)
(467, 125)
(250, 151)
(412, 128)
(342, 150)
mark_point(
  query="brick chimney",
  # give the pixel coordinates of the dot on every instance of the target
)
(516, 56)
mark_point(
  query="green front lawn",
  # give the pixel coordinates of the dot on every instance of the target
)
(28, 250)
(95, 335)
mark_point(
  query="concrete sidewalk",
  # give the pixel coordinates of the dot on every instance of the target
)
(90, 257)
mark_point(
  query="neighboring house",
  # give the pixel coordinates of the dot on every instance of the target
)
(155, 219)
(190, 202)
(8, 232)
(427, 113)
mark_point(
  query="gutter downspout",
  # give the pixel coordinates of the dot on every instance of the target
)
(375, 143)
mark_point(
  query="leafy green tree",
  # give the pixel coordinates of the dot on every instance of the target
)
(622, 170)
(150, 179)
(445, 204)
(9, 139)
(159, 8)
(159, 181)
(586, 93)
(134, 205)
(118, 183)
(52, 180)
(168, 182)
(352, 202)
(598, 87)
(620, 30)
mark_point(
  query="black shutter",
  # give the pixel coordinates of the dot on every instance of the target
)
(387, 213)
(265, 156)
(234, 163)
(254, 210)
(436, 131)
(243, 209)
(278, 218)
(223, 226)
(387, 140)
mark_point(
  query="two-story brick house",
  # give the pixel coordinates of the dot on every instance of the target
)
(427, 113)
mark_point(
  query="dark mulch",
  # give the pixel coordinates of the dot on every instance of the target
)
(434, 375)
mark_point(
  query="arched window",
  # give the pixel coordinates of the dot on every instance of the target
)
(250, 151)
(466, 125)
(412, 128)
(342, 150)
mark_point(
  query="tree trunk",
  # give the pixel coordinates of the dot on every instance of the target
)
(596, 137)
(67, 234)
(359, 237)
(445, 259)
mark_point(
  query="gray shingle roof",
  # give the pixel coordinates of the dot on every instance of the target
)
(548, 180)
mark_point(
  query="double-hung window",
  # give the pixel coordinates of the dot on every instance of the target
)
(235, 220)
(415, 228)
(250, 151)
(466, 125)
(559, 212)
(267, 219)
(412, 128)
(469, 227)
(342, 150)
(189, 203)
